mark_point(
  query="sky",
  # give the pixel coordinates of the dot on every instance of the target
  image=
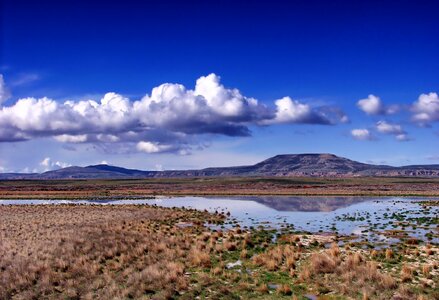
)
(190, 84)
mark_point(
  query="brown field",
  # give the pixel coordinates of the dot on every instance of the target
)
(71, 189)
(142, 252)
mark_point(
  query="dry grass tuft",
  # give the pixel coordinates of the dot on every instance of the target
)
(389, 253)
(426, 270)
(322, 263)
(263, 288)
(199, 258)
(244, 254)
(406, 273)
(284, 289)
(334, 251)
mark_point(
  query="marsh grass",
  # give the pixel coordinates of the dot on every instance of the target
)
(141, 252)
(350, 272)
(95, 252)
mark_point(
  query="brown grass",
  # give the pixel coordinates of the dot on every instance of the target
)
(86, 189)
(120, 252)
(199, 258)
(389, 253)
(104, 252)
(406, 273)
(263, 288)
(284, 289)
(348, 274)
(426, 270)
(323, 263)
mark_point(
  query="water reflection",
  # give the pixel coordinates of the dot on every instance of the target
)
(304, 204)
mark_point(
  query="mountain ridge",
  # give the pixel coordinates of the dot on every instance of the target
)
(282, 165)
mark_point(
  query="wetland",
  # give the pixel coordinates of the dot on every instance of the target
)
(220, 248)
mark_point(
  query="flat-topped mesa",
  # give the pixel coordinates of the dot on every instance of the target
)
(310, 164)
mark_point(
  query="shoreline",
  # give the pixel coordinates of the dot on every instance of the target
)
(30, 196)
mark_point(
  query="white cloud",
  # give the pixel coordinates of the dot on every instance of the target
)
(149, 147)
(426, 109)
(344, 119)
(361, 134)
(45, 162)
(293, 111)
(392, 129)
(402, 137)
(68, 138)
(225, 102)
(48, 164)
(372, 105)
(169, 119)
(389, 128)
(4, 92)
(393, 109)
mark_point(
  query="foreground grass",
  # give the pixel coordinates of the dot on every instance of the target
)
(86, 189)
(142, 252)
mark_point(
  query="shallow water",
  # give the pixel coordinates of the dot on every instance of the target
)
(366, 218)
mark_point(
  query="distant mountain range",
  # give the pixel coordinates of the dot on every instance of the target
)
(293, 165)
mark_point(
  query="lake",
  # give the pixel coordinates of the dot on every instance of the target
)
(375, 219)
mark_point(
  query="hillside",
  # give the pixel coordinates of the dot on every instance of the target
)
(293, 165)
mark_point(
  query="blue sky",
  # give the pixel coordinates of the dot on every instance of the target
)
(59, 61)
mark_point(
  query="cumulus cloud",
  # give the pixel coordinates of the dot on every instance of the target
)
(362, 134)
(372, 105)
(168, 120)
(389, 128)
(47, 164)
(426, 109)
(293, 111)
(392, 129)
(4, 92)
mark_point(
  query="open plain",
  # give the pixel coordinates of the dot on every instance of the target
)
(132, 188)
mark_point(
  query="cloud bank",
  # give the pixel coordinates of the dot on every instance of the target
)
(168, 120)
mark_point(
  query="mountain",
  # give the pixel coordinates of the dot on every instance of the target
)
(307, 165)
(79, 172)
